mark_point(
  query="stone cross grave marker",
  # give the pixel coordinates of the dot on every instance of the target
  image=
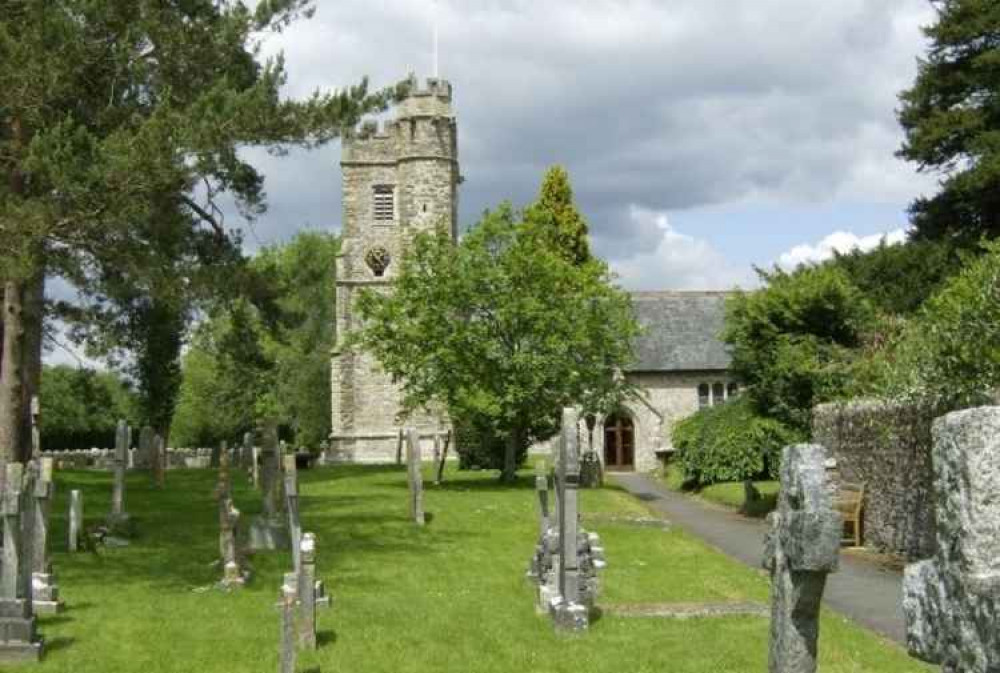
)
(18, 640)
(568, 611)
(75, 519)
(44, 589)
(119, 518)
(414, 478)
(268, 530)
(801, 548)
(951, 601)
(232, 573)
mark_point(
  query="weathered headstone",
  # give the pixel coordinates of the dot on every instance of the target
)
(952, 601)
(292, 506)
(414, 478)
(18, 639)
(310, 592)
(118, 519)
(269, 530)
(233, 575)
(569, 612)
(36, 429)
(75, 519)
(144, 458)
(44, 589)
(288, 650)
(802, 547)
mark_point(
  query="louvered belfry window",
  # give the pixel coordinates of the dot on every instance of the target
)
(385, 207)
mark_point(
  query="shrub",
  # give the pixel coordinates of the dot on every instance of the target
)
(730, 442)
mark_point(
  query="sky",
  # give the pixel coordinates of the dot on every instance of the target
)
(702, 137)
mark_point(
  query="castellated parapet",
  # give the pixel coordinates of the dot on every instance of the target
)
(399, 178)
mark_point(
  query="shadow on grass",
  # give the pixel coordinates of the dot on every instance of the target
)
(59, 643)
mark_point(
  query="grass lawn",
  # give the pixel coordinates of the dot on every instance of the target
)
(729, 494)
(448, 597)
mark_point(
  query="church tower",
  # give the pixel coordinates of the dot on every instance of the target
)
(397, 181)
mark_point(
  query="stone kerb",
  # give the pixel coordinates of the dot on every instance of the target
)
(951, 602)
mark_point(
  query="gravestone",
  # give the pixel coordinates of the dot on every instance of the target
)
(269, 530)
(310, 592)
(44, 589)
(951, 601)
(233, 575)
(144, 457)
(801, 548)
(288, 650)
(36, 429)
(414, 478)
(18, 640)
(75, 519)
(118, 520)
(567, 557)
(292, 506)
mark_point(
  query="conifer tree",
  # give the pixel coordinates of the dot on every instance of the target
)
(556, 219)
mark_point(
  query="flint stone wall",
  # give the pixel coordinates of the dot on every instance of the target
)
(887, 447)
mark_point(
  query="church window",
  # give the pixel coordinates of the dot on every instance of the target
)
(718, 393)
(378, 260)
(384, 202)
(703, 395)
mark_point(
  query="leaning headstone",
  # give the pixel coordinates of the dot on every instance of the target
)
(44, 589)
(18, 640)
(287, 652)
(802, 547)
(233, 575)
(269, 530)
(414, 478)
(118, 520)
(952, 601)
(75, 519)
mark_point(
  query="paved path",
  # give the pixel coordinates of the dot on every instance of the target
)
(868, 594)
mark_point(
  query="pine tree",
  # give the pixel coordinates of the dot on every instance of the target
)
(951, 117)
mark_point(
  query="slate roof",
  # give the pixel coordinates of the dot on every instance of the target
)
(680, 331)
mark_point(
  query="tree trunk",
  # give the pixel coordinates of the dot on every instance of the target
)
(33, 317)
(509, 473)
(13, 412)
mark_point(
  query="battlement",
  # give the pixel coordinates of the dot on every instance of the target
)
(432, 86)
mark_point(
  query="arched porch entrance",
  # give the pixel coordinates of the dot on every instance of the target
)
(619, 442)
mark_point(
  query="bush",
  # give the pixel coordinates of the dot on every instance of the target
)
(730, 442)
(949, 355)
(480, 447)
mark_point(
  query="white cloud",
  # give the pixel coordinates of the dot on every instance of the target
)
(838, 241)
(673, 260)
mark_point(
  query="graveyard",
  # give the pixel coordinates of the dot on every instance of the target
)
(450, 595)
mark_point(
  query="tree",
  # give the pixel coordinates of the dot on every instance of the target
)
(555, 218)
(793, 341)
(114, 112)
(81, 407)
(952, 122)
(500, 331)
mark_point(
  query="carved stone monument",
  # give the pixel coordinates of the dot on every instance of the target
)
(802, 547)
(18, 640)
(44, 589)
(75, 520)
(952, 601)
(233, 575)
(119, 520)
(414, 477)
(269, 530)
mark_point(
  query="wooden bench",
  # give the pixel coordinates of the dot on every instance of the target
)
(849, 502)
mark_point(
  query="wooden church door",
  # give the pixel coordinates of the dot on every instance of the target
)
(619, 442)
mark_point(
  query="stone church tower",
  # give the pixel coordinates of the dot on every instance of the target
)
(398, 180)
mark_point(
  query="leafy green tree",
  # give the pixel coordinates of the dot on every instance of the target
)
(81, 407)
(952, 122)
(794, 340)
(500, 331)
(115, 111)
(555, 218)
